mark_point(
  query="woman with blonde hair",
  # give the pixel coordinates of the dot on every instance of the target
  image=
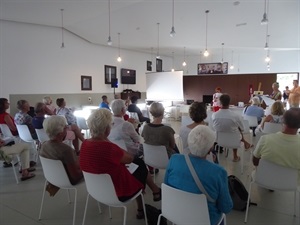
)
(276, 116)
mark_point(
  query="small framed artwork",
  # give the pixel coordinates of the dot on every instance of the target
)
(86, 83)
(149, 66)
(110, 72)
(158, 65)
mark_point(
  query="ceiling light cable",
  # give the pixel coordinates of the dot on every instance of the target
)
(206, 53)
(62, 29)
(109, 41)
(173, 33)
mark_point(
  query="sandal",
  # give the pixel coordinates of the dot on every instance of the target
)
(248, 145)
(140, 214)
(28, 176)
(157, 196)
(30, 169)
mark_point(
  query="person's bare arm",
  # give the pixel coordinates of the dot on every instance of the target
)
(255, 161)
(10, 123)
(74, 172)
(127, 158)
(267, 119)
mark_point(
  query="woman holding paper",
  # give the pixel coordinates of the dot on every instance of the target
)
(98, 155)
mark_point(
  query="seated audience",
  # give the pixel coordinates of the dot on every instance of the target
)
(22, 117)
(122, 129)
(55, 127)
(100, 156)
(156, 133)
(6, 118)
(133, 108)
(50, 109)
(104, 104)
(212, 176)
(226, 120)
(283, 147)
(22, 149)
(198, 114)
(276, 116)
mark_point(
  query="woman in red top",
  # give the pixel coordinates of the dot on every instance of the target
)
(98, 155)
(5, 118)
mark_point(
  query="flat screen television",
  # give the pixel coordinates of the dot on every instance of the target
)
(128, 76)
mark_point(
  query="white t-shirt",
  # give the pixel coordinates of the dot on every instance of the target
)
(226, 120)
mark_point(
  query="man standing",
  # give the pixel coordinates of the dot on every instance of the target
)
(283, 147)
(104, 103)
(294, 95)
(225, 120)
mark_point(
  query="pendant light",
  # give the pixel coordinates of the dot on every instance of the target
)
(231, 66)
(206, 53)
(119, 59)
(267, 38)
(172, 62)
(222, 61)
(184, 62)
(264, 20)
(268, 66)
(109, 41)
(268, 59)
(172, 33)
(157, 55)
(62, 29)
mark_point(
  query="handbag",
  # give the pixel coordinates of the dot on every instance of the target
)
(197, 180)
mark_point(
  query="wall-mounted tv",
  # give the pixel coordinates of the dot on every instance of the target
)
(128, 76)
(213, 68)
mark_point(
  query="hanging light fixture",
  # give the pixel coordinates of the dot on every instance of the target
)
(62, 29)
(157, 54)
(268, 66)
(119, 59)
(264, 20)
(172, 33)
(268, 59)
(184, 62)
(222, 61)
(206, 53)
(231, 66)
(109, 41)
(172, 62)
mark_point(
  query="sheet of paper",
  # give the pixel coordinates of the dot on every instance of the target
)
(267, 100)
(132, 167)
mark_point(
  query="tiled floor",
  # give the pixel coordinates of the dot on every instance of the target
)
(19, 204)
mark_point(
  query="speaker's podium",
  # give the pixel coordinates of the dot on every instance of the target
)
(128, 93)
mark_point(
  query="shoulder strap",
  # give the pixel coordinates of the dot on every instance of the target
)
(196, 178)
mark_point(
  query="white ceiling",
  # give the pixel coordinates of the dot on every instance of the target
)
(137, 20)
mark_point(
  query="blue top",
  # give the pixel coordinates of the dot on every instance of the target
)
(104, 105)
(37, 122)
(212, 176)
(254, 110)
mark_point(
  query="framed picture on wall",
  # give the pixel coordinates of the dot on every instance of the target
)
(213, 68)
(149, 66)
(158, 65)
(86, 83)
(109, 73)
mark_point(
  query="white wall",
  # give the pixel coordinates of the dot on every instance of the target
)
(32, 62)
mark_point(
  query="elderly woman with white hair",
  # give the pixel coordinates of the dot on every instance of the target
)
(55, 127)
(212, 176)
(98, 155)
(122, 129)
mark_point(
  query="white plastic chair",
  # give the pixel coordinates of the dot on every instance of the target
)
(231, 141)
(56, 174)
(7, 133)
(25, 136)
(270, 128)
(13, 156)
(181, 207)
(156, 156)
(252, 120)
(81, 123)
(275, 177)
(101, 188)
(186, 120)
(42, 135)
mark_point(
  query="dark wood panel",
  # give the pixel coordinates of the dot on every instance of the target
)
(237, 86)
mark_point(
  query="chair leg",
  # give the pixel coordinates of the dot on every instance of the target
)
(69, 198)
(125, 215)
(248, 202)
(75, 203)
(42, 203)
(109, 210)
(99, 207)
(144, 208)
(242, 161)
(85, 208)
(158, 220)
(14, 170)
(295, 196)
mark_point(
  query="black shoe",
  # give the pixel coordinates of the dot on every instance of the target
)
(32, 163)
(152, 171)
(6, 165)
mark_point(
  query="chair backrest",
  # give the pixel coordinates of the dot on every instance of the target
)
(42, 135)
(156, 156)
(5, 130)
(246, 126)
(24, 133)
(81, 123)
(101, 188)
(186, 120)
(270, 128)
(276, 177)
(252, 120)
(229, 140)
(120, 143)
(183, 207)
(55, 172)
